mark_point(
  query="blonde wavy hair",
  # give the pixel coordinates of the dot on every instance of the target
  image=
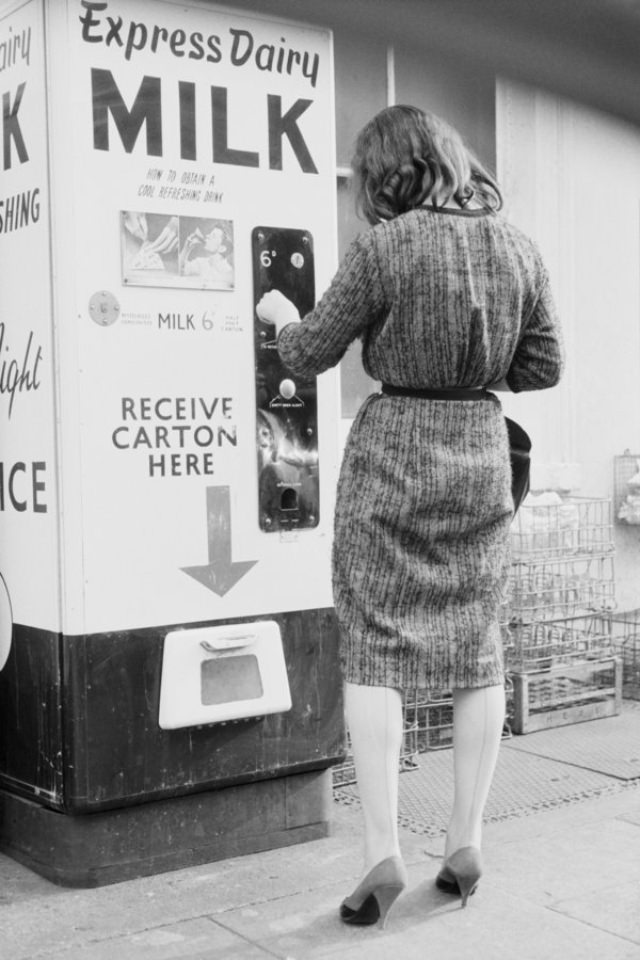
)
(405, 158)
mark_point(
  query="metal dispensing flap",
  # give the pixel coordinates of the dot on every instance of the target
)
(221, 673)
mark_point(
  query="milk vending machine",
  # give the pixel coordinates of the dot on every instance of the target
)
(169, 681)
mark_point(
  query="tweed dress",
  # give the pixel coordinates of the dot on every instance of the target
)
(439, 299)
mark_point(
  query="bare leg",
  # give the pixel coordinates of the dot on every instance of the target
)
(374, 718)
(478, 716)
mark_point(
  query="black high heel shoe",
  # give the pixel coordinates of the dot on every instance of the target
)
(374, 896)
(460, 873)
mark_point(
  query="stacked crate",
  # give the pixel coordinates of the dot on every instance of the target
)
(428, 718)
(626, 639)
(559, 651)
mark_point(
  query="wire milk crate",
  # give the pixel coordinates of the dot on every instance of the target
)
(570, 693)
(430, 715)
(626, 486)
(558, 645)
(544, 645)
(550, 526)
(541, 590)
(626, 640)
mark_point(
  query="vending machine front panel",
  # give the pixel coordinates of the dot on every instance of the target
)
(286, 406)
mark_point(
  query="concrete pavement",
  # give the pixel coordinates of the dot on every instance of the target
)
(559, 884)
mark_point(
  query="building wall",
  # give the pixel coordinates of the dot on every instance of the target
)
(572, 179)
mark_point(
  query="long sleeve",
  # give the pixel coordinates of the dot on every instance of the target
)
(538, 361)
(354, 300)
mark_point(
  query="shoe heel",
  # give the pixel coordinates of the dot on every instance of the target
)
(466, 889)
(386, 897)
(465, 869)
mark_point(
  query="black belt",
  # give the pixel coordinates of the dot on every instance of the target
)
(448, 393)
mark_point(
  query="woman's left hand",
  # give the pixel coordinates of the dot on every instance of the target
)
(275, 308)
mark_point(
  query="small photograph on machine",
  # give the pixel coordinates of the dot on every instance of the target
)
(175, 251)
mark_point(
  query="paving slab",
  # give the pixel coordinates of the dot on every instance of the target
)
(68, 918)
(632, 817)
(427, 923)
(572, 863)
(18, 883)
(615, 909)
(562, 881)
(544, 826)
(609, 746)
(192, 940)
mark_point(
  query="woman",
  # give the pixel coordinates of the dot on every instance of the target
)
(448, 298)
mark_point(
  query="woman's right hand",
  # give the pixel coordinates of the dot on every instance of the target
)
(273, 307)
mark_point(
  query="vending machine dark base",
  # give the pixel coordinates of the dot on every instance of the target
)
(90, 850)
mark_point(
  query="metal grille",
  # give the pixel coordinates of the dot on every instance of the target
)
(523, 784)
(570, 527)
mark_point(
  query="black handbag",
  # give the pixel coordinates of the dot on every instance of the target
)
(520, 449)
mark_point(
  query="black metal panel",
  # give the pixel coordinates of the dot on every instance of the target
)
(116, 754)
(287, 408)
(31, 716)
